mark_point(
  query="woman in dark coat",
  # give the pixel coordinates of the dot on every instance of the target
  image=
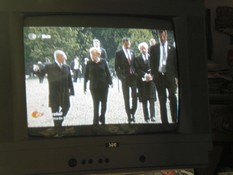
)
(97, 72)
(146, 86)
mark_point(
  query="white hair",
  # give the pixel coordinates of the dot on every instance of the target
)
(95, 49)
(59, 52)
(96, 40)
(142, 44)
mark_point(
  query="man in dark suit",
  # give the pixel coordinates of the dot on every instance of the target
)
(164, 71)
(60, 86)
(125, 70)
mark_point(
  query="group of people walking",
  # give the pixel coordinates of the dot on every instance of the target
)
(154, 70)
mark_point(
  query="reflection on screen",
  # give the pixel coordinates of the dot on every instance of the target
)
(125, 106)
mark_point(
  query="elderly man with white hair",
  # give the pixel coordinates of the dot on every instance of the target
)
(60, 87)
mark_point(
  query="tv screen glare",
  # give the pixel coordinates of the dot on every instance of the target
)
(40, 43)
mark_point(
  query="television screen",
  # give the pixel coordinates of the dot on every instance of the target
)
(99, 96)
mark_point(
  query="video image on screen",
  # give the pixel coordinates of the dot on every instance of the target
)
(100, 81)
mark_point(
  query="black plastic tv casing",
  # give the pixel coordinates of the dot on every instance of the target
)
(187, 147)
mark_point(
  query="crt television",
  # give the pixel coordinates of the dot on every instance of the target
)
(31, 31)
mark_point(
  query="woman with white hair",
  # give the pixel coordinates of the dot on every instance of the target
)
(97, 72)
(146, 86)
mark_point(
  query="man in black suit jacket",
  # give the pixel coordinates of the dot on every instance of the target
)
(125, 70)
(164, 71)
(60, 86)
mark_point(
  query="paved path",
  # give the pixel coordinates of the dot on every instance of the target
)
(81, 111)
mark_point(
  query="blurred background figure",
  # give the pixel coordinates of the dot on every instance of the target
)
(40, 74)
(84, 65)
(97, 44)
(76, 68)
(152, 42)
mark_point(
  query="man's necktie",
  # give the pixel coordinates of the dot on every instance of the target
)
(129, 60)
(128, 55)
(60, 65)
(164, 58)
(145, 58)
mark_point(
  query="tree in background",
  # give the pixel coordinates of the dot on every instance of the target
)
(40, 42)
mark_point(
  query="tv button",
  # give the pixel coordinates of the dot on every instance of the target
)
(72, 162)
(142, 159)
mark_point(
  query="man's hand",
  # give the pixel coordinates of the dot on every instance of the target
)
(148, 77)
(36, 68)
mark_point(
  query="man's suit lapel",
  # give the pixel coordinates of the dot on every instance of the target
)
(142, 62)
(125, 59)
(169, 50)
